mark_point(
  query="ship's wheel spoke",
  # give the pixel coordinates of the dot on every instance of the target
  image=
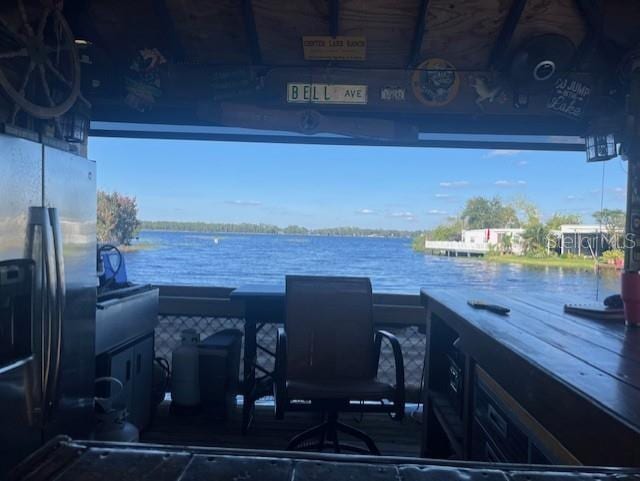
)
(5, 26)
(56, 50)
(25, 19)
(57, 73)
(27, 76)
(18, 53)
(47, 92)
(45, 85)
(43, 23)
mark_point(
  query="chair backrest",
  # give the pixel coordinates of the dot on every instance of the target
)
(329, 325)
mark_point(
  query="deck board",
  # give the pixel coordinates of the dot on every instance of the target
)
(392, 438)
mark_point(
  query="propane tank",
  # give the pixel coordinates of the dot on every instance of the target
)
(185, 387)
(112, 424)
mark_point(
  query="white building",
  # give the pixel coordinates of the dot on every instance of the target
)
(495, 239)
(577, 239)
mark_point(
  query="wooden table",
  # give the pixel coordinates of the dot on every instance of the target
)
(571, 383)
(263, 304)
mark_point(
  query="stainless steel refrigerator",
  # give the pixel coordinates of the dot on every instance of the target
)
(47, 296)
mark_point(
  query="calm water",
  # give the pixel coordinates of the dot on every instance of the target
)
(196, 259)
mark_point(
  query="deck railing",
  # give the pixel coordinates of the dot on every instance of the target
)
(209, 309)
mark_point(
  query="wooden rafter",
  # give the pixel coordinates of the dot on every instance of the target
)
(418, 34)
(497, 57)
(334, 17)
(252, 32)
(594, 37)
(169, 29)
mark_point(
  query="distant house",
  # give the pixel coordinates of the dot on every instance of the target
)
(495, 239)
(576, 239)
(586, 240)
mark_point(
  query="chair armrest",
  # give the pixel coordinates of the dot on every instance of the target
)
(399, 400)
(280, 373)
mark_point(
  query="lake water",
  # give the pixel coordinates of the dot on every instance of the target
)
(196, 259)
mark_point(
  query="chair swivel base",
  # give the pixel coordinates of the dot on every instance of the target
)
(326, 435)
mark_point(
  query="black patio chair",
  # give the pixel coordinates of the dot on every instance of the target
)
(327, 360)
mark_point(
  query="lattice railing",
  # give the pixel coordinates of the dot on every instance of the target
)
(411, 340)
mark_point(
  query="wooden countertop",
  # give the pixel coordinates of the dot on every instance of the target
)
(553, 362)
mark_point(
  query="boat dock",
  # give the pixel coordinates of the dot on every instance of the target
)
(456, 248)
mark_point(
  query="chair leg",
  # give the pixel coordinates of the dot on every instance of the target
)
(361, 435)
(311, 433)
(328, 432)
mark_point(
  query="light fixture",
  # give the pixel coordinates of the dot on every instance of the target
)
(600, 147)
(75, 125)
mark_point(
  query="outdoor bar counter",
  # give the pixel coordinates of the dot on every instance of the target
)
(63, 460)
(534, 386)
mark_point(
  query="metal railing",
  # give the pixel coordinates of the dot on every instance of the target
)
(209, 310)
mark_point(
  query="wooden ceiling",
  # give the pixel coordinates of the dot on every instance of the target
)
(198, 38)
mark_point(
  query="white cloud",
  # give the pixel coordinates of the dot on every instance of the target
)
(365, 211)
(244, 202)
(501, 153)
(509, 183)
(455, 183)
(522, 163)
(442, 196)
(403, 215)
(436, 212)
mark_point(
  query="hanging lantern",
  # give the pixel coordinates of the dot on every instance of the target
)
(600, 147)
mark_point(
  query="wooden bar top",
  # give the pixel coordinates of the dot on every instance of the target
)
(579, 377)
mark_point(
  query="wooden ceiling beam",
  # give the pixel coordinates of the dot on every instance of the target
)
(418, 34)
(177, 51)
(252, 32)
(334, 17)
(497, 57)
(591, 13)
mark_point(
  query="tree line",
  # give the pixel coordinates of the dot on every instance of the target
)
(248, 228)
(491, 213)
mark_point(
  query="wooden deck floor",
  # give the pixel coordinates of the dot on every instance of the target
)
(392, 438)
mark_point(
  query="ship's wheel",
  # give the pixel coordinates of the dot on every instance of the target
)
(39, 64)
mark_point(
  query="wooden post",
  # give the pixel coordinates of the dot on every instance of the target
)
(631, 276)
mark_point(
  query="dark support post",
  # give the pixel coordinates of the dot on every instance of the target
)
(418, 35)
(252, 32)
(631, 275)
(334, 17)
(497, 56)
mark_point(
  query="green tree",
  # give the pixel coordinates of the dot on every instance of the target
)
(611, 218)
(613, 221)
(556, 220)
(449, 231)
(117, 218)
(483, 213)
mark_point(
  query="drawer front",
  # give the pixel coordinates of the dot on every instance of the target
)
(455, 384)
(483, 448)
(505, 434)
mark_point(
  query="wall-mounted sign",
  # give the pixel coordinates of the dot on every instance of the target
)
(326, 93)
(569, 97)
(394, 94)
(435, 82)
(334, 48)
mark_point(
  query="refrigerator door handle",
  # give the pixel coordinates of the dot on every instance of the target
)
(39, 220)
(60, 296)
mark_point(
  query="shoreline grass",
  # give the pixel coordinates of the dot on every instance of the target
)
(568, 262)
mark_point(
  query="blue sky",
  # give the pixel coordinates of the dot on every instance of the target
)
(323, 186)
